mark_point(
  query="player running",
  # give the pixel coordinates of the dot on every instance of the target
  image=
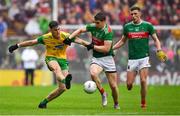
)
(55, 58)
(137, 32)
(102, 60)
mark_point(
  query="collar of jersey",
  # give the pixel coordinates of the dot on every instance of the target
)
(138, 23)
(103, 27)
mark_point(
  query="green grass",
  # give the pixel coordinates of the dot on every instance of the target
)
(24, 101)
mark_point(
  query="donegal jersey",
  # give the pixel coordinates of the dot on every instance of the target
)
(138, 38)
(54, 47)
(98, 38)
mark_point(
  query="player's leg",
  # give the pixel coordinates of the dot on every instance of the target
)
(130, 79)
(95, 70)
(131, 73)
(54, 66)
(65, 70)
(56, 69)
(143, 76)
(111, 73)
(64, 66)
(112, 79)
(55, 93)
(143, 72)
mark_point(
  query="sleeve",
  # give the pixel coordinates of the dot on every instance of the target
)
(109, 36)
(40, 40)
(151, 29)
(90, 27)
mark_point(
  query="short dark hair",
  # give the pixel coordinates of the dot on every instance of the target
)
(100, 16)
(135, 8)
(53, 24)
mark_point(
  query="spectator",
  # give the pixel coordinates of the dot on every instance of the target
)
(29, 57)
(3, 39)
(3, 29)
(14, 10)
(32, 27)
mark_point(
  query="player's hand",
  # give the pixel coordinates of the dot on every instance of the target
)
(67, 41)
(90, 46)
(161, 55)
(12, 48)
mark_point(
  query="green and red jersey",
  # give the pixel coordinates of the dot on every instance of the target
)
(98, 38)
(138, 38)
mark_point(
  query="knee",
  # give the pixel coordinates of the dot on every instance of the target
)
(94, 75)
(54, 70)
(143, 81)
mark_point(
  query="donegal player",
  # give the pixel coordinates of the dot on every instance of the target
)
(55, 58)
(137, 33)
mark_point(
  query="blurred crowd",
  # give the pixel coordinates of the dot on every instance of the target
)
(26, 19)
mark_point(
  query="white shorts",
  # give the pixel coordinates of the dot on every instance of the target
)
(138, 64)
(107, 63)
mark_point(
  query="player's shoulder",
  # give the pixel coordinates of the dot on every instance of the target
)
(128, 24)
(47, 35)
(64, 34)
(91, 25)
(146, 22)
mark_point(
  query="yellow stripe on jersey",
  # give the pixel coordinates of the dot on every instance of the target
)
(54, 47)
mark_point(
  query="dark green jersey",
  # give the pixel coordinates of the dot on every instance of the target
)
(98, 38)
(138, 38)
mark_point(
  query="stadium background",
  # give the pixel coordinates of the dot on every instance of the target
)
(20, 15)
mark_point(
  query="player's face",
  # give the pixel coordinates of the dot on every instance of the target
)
(55, 32)
(136, 16)
(99, 24)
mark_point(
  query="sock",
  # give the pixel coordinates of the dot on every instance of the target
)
(101, 90)
(143, 102)
(45, 101)
(63, 81)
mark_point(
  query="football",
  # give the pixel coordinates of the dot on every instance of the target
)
(90, 87)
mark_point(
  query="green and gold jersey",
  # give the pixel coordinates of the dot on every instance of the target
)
(54, 47)
(98, 38)
(138, 38)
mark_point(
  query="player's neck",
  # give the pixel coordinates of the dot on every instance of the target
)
(103, 26)
(138, 22)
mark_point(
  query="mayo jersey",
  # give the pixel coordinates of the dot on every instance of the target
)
(54, 47)
(98, 38)
(138, 38)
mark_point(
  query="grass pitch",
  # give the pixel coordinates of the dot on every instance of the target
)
(161, 100)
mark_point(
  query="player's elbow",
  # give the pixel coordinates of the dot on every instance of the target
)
(81, 30)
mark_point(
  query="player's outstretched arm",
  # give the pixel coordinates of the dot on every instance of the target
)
(69, 40)
(120, 43)
(159, 53)
(22, 44)
(81, 41)
(77, 32)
